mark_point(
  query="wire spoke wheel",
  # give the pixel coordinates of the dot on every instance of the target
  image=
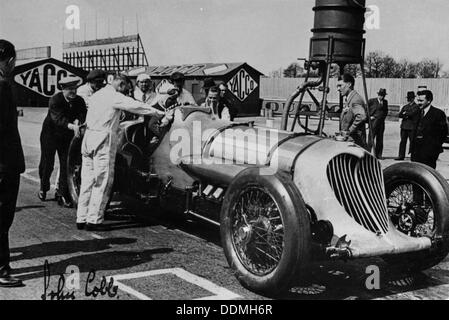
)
(76, 176)
(418, 205)
(265, 232)
(74, 161)
(411, 209)
(257, 231)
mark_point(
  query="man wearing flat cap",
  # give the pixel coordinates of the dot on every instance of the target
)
(66, 111)
(144, 90)
(96, 80)
(410, 117)
(378, 108)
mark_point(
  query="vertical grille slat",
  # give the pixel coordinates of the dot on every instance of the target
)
(359, 187)
(371, 192)
(357, 214)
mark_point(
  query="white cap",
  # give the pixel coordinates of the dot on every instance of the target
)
(143, 77)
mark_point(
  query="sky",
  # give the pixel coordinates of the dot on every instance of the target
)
(267, 34)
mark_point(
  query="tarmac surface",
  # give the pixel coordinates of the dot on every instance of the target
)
(152, 255)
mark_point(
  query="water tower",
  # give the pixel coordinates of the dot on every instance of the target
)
(337, 39)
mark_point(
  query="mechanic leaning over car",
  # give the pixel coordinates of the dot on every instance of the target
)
(353, 117)
(99, 148)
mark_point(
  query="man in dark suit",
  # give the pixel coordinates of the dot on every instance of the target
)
(410, 117)
(353, 117)
(378, 108)
(12, 162)
(66, 112)
(430, 133)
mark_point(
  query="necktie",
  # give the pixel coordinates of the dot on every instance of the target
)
(143, 97)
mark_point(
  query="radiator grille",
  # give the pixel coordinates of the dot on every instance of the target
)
(358, 185)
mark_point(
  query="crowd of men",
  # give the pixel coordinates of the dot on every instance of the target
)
(97, 107)
(422, 124)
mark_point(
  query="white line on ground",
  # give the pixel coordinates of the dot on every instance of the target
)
(78, 238)
(97, 236)
(131, 291)
(188, 235)
(28, 176)
(220, 293)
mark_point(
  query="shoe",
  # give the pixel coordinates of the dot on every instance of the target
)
(81, 226)
(96, 227)
(10, 282)
(64, 202)
(42, 195)
(399, 159)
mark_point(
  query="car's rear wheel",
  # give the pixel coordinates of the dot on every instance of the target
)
(265, 232)
(74, 161)
(418, 204)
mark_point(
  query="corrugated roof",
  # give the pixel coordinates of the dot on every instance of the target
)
(189, 70)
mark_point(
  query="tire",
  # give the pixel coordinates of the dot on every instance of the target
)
(436, 189)
(289, 266)
(74, 168)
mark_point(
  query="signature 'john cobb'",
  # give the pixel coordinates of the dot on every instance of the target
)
(105, 288)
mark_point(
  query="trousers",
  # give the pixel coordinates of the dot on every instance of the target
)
(430, 160)
(405, 135)
(97, 176)
(50, 145)
(9, 189)
(378, 135)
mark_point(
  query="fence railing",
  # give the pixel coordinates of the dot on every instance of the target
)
(282, 88)
(115, 59)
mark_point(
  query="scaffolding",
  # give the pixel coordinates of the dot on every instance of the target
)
(111, 54)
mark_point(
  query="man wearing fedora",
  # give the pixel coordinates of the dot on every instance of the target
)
(66, 111)
(378, 108)
(410, 117)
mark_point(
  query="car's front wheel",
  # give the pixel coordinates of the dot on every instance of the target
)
(265, 232)
(418, 204)
(74, 162)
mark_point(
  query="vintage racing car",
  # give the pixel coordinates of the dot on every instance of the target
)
(282, 199)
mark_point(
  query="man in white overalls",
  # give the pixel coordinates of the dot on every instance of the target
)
(99, 149)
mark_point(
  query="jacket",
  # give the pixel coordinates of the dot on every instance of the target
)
(61, 113)
(353, 118)
(378, 111)
(430, 134)
(11, 152)
(410, 116)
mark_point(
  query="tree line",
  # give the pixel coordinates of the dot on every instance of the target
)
(379, 65)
